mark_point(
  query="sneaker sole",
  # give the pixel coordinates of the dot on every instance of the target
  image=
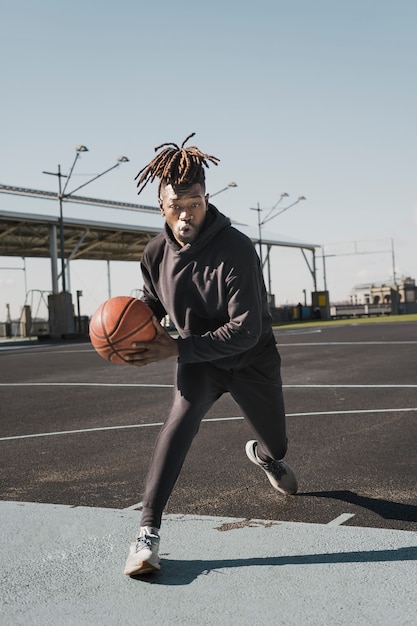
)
(144, 568)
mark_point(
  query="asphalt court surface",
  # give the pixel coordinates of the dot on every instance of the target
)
(77, 430)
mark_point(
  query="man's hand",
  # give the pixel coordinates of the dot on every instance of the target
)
(162, 347)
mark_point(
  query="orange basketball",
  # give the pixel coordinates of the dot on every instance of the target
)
(117, 324)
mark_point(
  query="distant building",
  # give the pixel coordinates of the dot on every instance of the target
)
(403, 293)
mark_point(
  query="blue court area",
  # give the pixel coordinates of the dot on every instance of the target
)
(76, 436)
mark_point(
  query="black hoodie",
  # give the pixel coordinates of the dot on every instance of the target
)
(213, 291)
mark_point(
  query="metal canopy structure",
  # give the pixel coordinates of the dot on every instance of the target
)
(27, 235)
(34, 235)
(51, 195)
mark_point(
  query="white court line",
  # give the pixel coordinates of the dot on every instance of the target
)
(341, 519)
(211, 419)
(289, 386)
(103, 428)
(350, 386)
(347, 343)
(55, 352)
(360, 411)
(135, 507)
(79, 384)
(16, 347)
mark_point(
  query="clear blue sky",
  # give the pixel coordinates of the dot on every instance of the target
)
(311, 97)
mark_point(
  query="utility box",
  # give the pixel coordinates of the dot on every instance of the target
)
(395, 301)
(61, 315)
(320, 304)
(26, 321)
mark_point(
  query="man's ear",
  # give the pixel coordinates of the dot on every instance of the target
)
(160, 206)
(207, 196)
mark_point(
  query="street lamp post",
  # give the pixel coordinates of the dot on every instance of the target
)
(60, 305)
(79, 294)
(229, 185)
(325, 256)
(272, 213)
(62, 196)
(61, 225)
(394, 275)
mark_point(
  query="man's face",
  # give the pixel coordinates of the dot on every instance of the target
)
(184, 210)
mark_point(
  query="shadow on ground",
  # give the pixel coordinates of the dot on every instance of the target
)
(175, 572)
(385, 508)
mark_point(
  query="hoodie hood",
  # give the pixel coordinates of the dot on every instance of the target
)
(213, 224)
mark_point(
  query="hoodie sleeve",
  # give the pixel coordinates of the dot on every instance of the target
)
(149, 295)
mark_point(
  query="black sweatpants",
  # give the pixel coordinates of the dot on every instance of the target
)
(257, 389)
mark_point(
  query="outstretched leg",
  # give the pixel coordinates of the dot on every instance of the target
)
(196, 390)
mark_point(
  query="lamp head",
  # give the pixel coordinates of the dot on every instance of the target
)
(81, 149)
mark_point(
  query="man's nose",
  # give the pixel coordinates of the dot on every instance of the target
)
(185, 215)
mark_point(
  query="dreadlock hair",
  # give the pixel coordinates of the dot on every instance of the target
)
(176, 166)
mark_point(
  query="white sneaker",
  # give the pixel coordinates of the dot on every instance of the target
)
(143, 555)
(280, 475)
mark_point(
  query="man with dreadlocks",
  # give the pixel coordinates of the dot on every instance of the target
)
(206, 276)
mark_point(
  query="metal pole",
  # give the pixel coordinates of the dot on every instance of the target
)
(79, 293)
(54, 256)
(324, 270)
(260, 236)
(268, 248)
(68, 276)
(61, 231)
(258, 208)
(232, 184)
(90, 181)
(108, 278)
(269, 216)
(25, 278)
(314, 270)
(394, 277)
